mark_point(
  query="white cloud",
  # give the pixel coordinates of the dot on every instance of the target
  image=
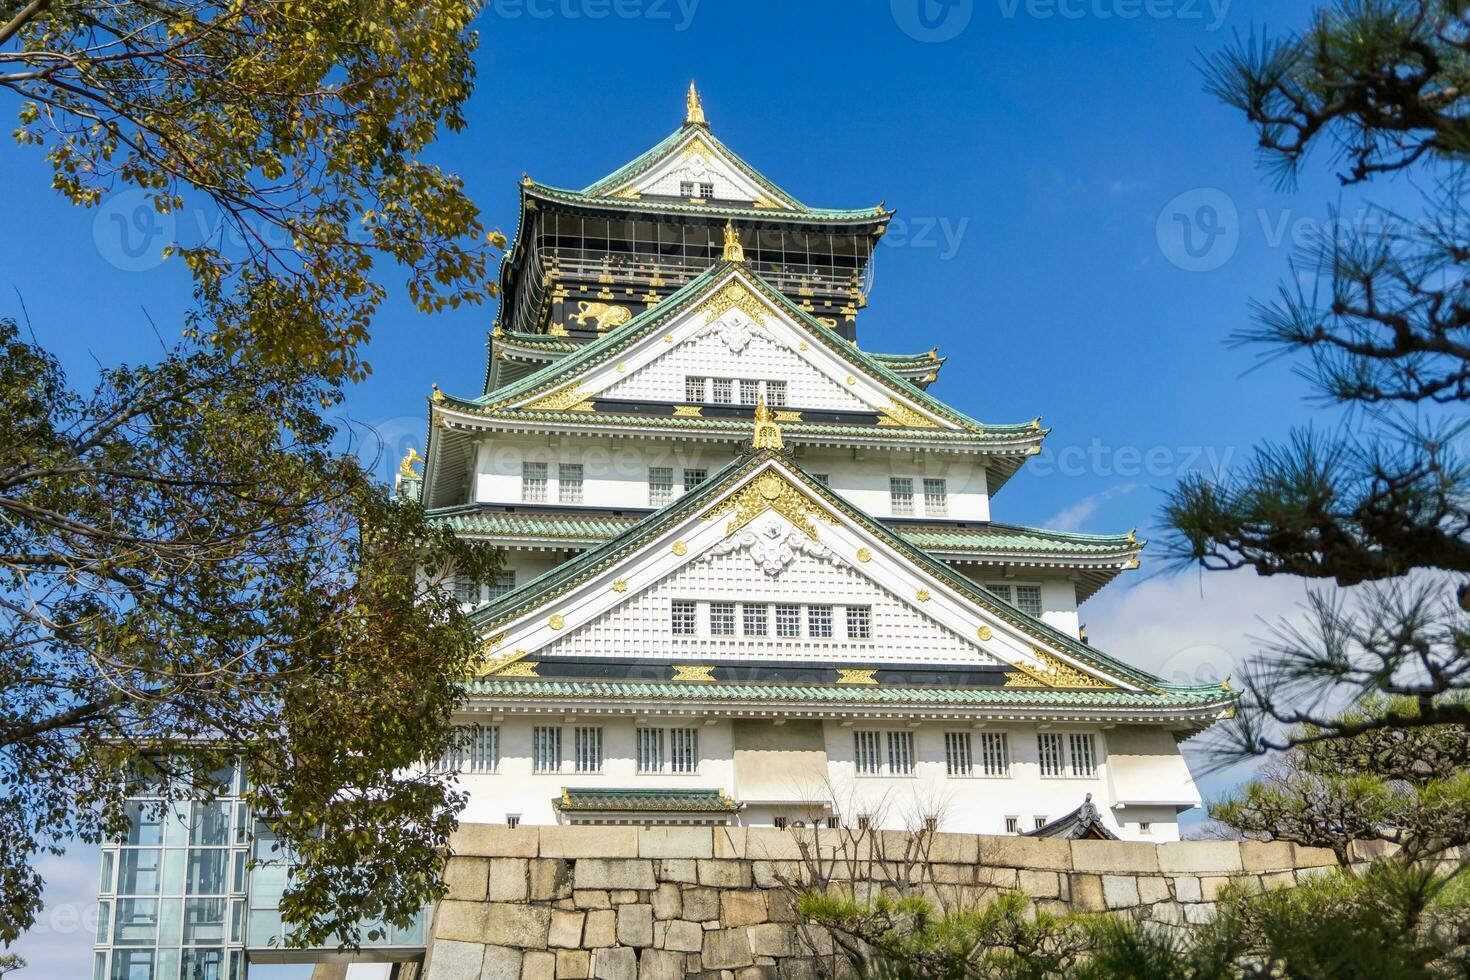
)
(1075, 517)
(60, 943)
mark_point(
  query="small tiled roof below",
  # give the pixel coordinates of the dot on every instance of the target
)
(646, 801)
(1083, 823)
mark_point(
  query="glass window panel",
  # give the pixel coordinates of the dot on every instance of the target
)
(139, 870)
(133, 964)
(204, 921)
(173, 870)
(145, 824)
(749, 391)
(569, 483)
(859, 622)
(775, 393)
(722, 618)
(104, 885)
(901, 495)
(533, 483)
(684, 618)
(104, 920)
(694, 389)
(170, 919)
(788, 621)
(1028, 599)
(722, 391)
(693, 478)
(936, 498)
(137, 922)
(211, 824)
(819, 621)
(756, 618)
(204, 964)
(660, 485)
(505, 581)
(207, 871)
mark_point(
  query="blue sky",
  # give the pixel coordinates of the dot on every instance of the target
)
(1080, 228)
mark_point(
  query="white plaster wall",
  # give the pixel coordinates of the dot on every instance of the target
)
(862, 480)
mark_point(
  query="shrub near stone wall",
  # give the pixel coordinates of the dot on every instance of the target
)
(629, 903)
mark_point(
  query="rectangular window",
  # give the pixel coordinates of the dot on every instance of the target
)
(685, 618)
(957, 754)
(1145, 827)
(505, 581)
(864, 821)
(776, 393)
(788, 621)
(825, 479)
(512, 820)
(466, 590)
(901, 495)
(660, 485)
(756, 619)
(936, 498)
(693, 478)
(722, 391)
(859, 622)
(684, 750)
(749, 392)
(1084, 755)
(588, 745)
(650, 750)
(533, 483)
(569, 483)
(138, 871)
(1049, 753)
(900, 753)
(1001, 591)
(722, 618)
(867, 753)
(1039, 820)
(779, 823)
(1028, 599)
(706, 189)
(546, 749)
(819, 621)
(476, 749)
(995, 754)
(1013, 825)
(694, 389)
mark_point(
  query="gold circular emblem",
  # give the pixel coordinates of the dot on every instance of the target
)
(851, 380)
(680, 548)
(556, 622)
(668, 338)
(770, 487)
(622, 368)
(620, 586)
(922, 595)
(864, 555)
(983, 632)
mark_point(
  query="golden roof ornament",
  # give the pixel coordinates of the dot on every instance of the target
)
(693, 111)
(405, 467)
(734, 251)
(767, 433)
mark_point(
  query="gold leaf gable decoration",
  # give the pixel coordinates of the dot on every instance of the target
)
(1055, 673)
(901, 415)
(735, 296)
(772, 491)
(571, 398)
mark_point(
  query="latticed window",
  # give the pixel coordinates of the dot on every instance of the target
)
(693, 478)
(1003, 591)
(775, 393)
(660, 485)
(957, 761)
(859, 622)
(466, 590)
(476, 749)
(1050, 754)
(650, 750)
(819, 621)
(867, 753)
(683, 750)
(533, 483)
(722, 391)
(505, 581)
(684, 619)
(901, 495)
(750, 391)
(757, 618)
(722, 618)
(995, 754)
(588, 745)
(546, 749)
(936, 498)
(694, 389)
(788, 620)
(1084, 755)
(900, 753)
(1028, 599)
(569, 483)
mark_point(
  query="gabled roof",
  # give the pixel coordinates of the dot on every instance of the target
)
(531, 597)
(1083, 823)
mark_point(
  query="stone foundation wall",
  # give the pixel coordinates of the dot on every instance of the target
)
(630, 903)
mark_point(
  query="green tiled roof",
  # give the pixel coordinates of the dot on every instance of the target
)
(647, 800)
(567, 196)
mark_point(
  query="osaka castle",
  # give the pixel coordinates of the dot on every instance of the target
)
(752, 575)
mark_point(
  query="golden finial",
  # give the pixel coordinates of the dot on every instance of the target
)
(1133, 536)
(405, 468)
(767, 433)
(1225, 684)
(693, 111)
(734, 251)
(438, 396)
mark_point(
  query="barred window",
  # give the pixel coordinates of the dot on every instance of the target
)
(533, 483)
(757, 618)
(650, 750)
(722, 391)
(819, 621)
(957, 754)
(722, 618)
(684, 750)
(788, 621)
(1049, 751)
(1013, 825)
(694, 389)
(995, 754)
(901, 495)
(569, 483)
(685, 618)
(936, 498)
(1002, 591)
(1084, 755)
(900, 753)
(859, 622)
(660, 485)
(693, 478)
(588, 745)
(825, 479)
(1039, 820)
(867, 753)
(546, 749)
(1028, 599)
(466, 590)
(750, 391)
(476, 749)
(775, 393)
(505, 581)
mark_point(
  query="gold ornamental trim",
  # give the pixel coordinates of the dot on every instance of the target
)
(680, 548)
(621, 585)
(735, 296)
(852, 675)
(521, 668)
(864, 555)
(922, 595)
(983, 634)
(687, 412)
(1054, 672)
(903, 416)
(573, 397)
(693, 673)
(771, 492)
(556, 621)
